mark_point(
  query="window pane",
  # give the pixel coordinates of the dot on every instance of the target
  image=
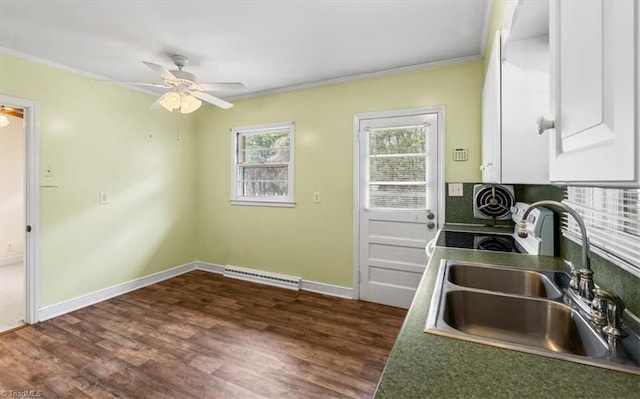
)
(612, 218)
(398, 196)
(263, 181)
(271, 147)
(406, 140)
(397, 168)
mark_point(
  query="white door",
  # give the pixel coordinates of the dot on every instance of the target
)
(398, 194)
(594, 71)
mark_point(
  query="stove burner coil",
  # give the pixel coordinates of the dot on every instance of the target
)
(492, 201)
(495, 244)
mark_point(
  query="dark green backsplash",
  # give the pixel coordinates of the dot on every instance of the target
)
(460, 209)
(606, 274)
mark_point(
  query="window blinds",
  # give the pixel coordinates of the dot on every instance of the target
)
(612, 219)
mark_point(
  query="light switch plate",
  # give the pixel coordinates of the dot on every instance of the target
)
(455, 190)
(104, 198)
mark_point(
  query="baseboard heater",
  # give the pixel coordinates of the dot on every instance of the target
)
(257, 276)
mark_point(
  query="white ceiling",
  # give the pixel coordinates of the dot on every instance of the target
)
(268, 45)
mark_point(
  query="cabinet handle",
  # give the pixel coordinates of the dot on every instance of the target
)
(543, 124)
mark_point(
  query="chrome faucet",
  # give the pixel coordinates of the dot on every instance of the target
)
(607, 310)
(586, 285)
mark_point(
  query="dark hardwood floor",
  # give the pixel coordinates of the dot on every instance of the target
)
(201, 335)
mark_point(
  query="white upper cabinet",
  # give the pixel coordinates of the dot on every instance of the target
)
(491, 124)
(594, 84)
(515, 93)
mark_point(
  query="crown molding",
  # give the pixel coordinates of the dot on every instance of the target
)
(66, 68)
(362, 76)
(285, 89)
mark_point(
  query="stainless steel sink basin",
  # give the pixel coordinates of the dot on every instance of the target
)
(525, 310)
(503, 279)
(535, 323)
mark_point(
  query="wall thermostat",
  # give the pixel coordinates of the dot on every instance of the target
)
(460, 154)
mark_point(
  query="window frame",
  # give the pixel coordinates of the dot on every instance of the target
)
(282, 201)
(602, 214)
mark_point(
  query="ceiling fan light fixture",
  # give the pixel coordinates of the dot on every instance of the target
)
(189, 104)
(170, 101)
(4, 121)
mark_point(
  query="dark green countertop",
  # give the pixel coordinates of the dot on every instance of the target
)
(423, 365)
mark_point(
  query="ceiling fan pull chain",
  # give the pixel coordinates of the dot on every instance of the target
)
(177, 126)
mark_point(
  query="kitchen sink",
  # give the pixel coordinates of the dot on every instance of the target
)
(541, 324)
(525, 310)
(504, 279)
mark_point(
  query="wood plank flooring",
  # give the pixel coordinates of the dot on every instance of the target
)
(201, 335)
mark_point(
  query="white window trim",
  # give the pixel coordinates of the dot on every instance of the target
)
(288, 201)
(595, 247)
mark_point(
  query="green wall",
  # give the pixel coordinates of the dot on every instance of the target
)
(315, 241)
(169, 199)
(99, 137)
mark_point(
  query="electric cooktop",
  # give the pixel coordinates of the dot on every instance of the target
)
(478, 241)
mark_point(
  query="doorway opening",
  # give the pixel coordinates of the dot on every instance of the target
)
(12, 217)
(18, 212)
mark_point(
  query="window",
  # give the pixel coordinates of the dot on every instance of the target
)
(612, 218)
(397, 166)
(262, 170)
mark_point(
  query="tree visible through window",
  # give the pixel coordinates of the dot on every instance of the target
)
(397, 168)
(263, 163)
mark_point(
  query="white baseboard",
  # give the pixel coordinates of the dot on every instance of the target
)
(11, 260)
(209, 267)
(327, 289)
(60, 308)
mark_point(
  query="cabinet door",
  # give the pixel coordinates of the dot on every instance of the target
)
(491, 117)
(593, 85)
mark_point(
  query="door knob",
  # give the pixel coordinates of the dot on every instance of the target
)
(431, 225)
(543, 124)
(430, 216)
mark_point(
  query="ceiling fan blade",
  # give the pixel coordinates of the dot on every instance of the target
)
(211, 99)
(160, 85)
(164, 72)
(220, 86)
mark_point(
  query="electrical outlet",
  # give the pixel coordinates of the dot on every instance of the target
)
(455, 190)
(9, 247)
(316, 197)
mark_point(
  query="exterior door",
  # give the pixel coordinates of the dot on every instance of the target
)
(398, 194)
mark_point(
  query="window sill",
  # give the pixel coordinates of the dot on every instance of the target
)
(279, 204)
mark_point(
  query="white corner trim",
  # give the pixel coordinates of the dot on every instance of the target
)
(327, 289)
(66, 68)
(69, 305)
(369, 75)
(209, 267)
(11, 260)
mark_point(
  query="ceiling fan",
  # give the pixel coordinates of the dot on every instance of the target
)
(4, 111)
(185, 92)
